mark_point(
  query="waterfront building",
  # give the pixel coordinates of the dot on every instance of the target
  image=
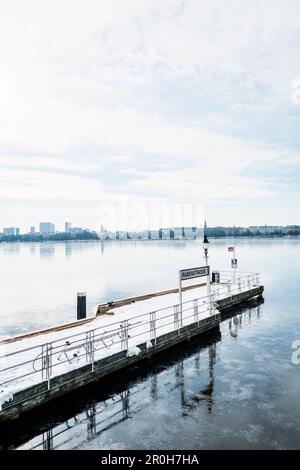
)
(178, 233)
(32, 229)
(68, 226)
(111, 235)
(266, 229)
(11, 231)
(103, 234)
(46, 228)
(133, 235)
(165, 234)
(145, 235)
(154, 234)
(189, 233)
(121, 235)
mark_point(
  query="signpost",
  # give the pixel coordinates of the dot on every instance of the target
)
(190, 273)
(234, 261)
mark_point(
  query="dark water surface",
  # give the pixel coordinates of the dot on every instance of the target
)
(236, 390)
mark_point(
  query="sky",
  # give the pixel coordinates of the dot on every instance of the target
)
(148, 113)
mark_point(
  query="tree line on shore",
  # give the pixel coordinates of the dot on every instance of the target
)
(211, 232)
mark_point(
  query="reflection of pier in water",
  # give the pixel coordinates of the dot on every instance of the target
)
(235, 323)
(188, 402)
(138, 393)
(100, 417)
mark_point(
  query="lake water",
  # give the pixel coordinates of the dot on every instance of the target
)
(237, 390)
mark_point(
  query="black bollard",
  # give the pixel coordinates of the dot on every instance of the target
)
(215, 277)
(81, 305)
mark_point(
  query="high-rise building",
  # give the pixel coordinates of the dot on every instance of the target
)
(46, 228)
(154, 234)
(11, 231)
(134, 236)
(68, 227)
(103, 234)
(32, 229)
(165, 234)
(178, 233)
(111, 235)
(121, 235)
(145, 235)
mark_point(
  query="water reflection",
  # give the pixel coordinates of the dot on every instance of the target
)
(47, 250)
(254, 311)
(32, 249)
(10, 248)
(68, 250)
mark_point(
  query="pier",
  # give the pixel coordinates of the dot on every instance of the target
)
(41, 366)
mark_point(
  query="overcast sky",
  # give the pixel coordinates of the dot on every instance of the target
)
(149, 112)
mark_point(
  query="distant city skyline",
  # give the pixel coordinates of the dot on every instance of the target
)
(48, 229)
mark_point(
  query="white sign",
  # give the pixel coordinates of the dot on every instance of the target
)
(234, 263)
(192, 273)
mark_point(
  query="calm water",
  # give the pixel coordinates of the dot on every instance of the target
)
(236, 390)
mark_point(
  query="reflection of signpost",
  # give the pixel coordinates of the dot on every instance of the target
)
(234, 261)
(190, 273)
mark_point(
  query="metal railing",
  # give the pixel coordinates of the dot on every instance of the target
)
(43, 362)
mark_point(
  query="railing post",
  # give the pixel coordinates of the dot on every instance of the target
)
(90, 347)
(124, 334)
(153, 326)
(47, 362)
(212, 304)
(196, 311)
(176, 316)
(249, 282)
(239, 284)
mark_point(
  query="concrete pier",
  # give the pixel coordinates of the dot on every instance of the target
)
(153, 341)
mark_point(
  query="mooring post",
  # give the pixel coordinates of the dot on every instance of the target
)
(81, 305)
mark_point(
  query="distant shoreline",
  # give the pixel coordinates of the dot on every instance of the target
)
(247, 237)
